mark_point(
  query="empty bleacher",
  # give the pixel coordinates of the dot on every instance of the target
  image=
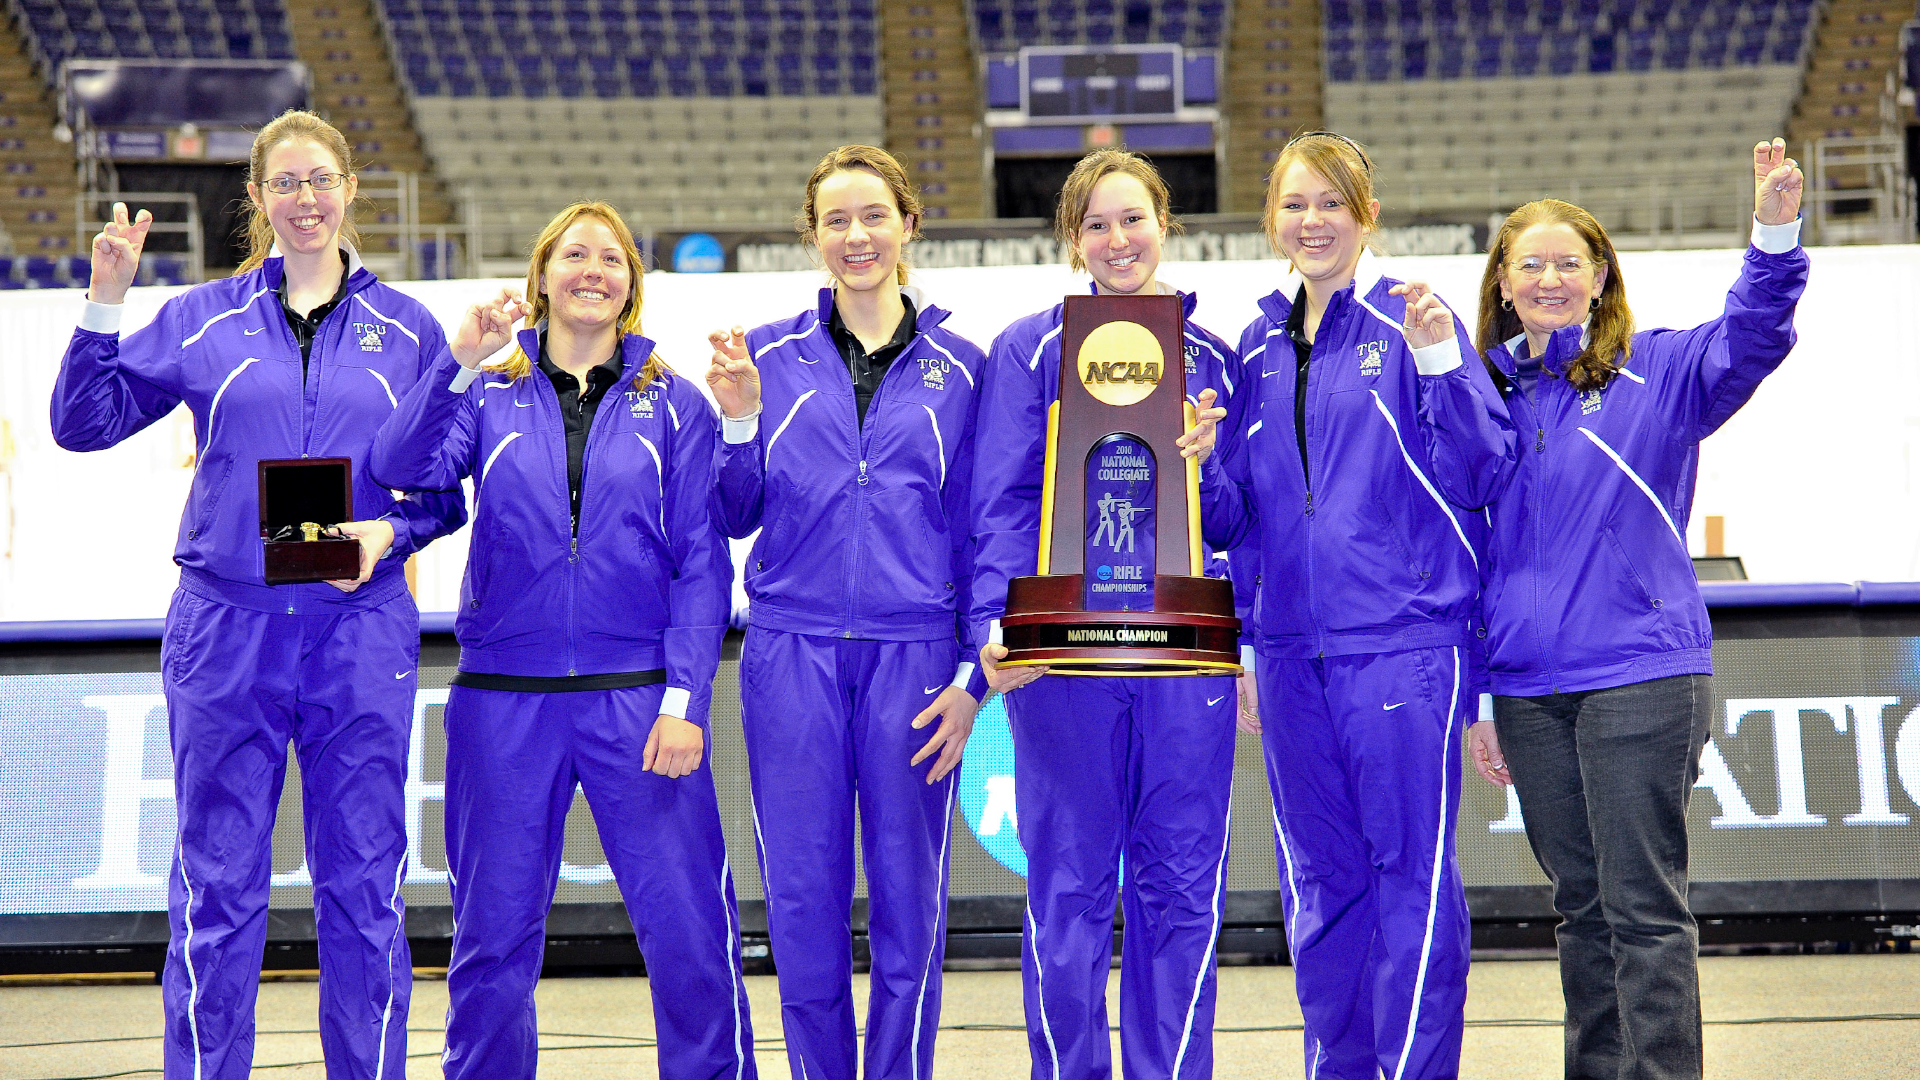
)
(1646, 111)
(164, 29)
(1006, 25)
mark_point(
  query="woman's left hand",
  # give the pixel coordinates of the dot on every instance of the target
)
(955, 708)
(1777, 183)
(1427, 321)
(1483, 746)
(674, 747)
(375, 538)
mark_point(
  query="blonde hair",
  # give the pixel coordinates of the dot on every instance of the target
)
(294, 125)
(1077, 192)
(1609, 326)
(860, 158)
(1339, 161)
(520, 365)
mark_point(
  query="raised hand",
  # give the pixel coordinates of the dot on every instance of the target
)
(733, 378)
(1198, 441)
(1427, 321)
(116, 255)
(1777, 183)
(487, 328)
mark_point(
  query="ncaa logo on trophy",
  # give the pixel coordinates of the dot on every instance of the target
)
(1120, 588)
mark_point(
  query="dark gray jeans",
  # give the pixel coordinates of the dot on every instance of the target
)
(1604, 777)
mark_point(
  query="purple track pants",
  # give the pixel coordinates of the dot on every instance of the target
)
(1106, 768)
(827, 725)
(513, 761)
(241, 684)
(1363, 754)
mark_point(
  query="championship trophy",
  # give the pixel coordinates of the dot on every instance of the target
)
(1120, 589)
(296, 496)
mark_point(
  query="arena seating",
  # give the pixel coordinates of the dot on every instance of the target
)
(1006, 25)
(1642, 110)
(166, 29)
(681, 112)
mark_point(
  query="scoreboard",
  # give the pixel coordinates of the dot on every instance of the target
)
(1100, 84)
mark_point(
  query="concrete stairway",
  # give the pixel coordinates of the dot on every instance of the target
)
(37, 182)
(929, 85)
(1854, 47)
(1273, 90)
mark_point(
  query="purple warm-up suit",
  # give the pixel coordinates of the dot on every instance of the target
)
(1107, 769)
(855, 588)
(1367, 597)
(248, 667)
(572, 644)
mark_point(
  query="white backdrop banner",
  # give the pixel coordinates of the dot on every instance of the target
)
(1815, 477)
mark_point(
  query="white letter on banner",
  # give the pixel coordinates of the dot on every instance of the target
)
(1789, 765)
(1735, 811)
(123, 789)
(1870, 748)
(1906, 755)
(999, 808)
(1513, 822)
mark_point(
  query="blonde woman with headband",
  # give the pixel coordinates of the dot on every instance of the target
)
(849, 445)
(590, 623)
(301, 354)
(1357, 484)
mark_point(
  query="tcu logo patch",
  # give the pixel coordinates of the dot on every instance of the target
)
(370, 335)
(640, 403)
(1193, 355)
(933, 372)
(1589, 402)
(1372, 354)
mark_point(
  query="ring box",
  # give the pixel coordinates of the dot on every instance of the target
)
(294, 491)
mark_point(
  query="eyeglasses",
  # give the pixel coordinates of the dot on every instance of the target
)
(1533, 266)
(1365, 161)
(287, 185)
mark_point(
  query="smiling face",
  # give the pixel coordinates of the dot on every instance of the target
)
(859, 229)
(1568, 278)
(1314, 228)
(1120, 235)
(586, 278)
(305, 221)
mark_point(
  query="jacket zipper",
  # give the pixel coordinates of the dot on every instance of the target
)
(1538, 495)
(865, 477)
(1303, 389)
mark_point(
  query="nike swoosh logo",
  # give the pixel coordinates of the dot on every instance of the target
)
(250, 333)
(1390, 708)
(522, 404)
(1211, 702)
(934, 689)
(401, 674)
(804, 360)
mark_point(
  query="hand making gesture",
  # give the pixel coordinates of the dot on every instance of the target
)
(1777, 184)
(487, 328)
(116, 255)
(1427, 321)
(733, 378)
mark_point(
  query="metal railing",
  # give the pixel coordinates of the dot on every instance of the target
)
(86, 223)
(1652, 210)
(1877, 187)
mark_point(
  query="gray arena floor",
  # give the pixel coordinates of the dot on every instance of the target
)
(1800, 1017)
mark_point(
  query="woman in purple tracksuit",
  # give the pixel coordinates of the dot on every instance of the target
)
(1355, 485)
(1131, 768)
(1600, 647)
(857, 478)
(590, 625)
(302, 353)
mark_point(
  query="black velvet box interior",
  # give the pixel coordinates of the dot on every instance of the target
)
(294, 491)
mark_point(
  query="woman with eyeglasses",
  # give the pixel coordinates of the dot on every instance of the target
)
(1357, 485)
(1117, 770)
(1600, 647)
(301, 354)
(849, 432)
(591, 618)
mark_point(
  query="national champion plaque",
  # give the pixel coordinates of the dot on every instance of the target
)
(1120, 589)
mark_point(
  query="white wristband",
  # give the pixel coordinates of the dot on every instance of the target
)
(1486, 706)
(675, 701)
(100, 318)
(1438, 358)
(736, 432)
(1776, 239)
(963, 675)
(463, 379)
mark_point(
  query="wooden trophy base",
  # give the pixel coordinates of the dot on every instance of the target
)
(1190, 631)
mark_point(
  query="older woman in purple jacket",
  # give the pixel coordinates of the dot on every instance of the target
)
(1600, 649)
